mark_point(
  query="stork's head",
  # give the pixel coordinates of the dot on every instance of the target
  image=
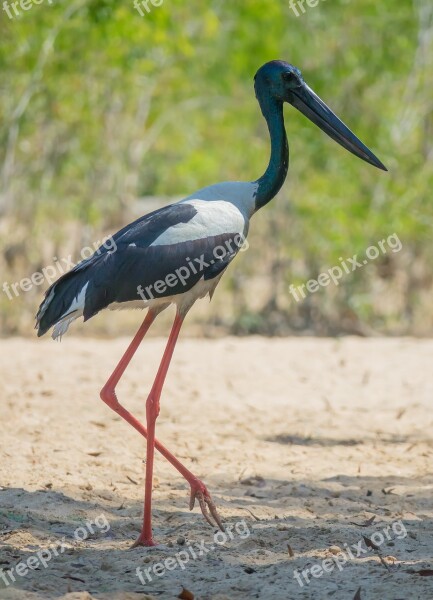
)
(284, 83)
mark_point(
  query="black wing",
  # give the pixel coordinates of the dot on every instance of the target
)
(133, 272)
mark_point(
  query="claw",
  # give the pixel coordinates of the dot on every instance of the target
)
(204, 509)
(192, 499)
(206, 506)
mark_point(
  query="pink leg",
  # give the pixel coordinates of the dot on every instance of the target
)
(108, 395)
(152, 412)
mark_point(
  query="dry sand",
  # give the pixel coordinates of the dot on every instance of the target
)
(306, 440)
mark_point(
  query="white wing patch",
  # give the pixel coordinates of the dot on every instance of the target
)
(212, 218)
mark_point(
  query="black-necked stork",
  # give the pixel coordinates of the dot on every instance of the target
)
(177, 254)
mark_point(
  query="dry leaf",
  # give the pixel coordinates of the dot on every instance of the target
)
(369, 543)
(98, 424)
(366, 523)
(67, 576)
(400, 413)
(186, 594)
(252, 514)
(256, 481)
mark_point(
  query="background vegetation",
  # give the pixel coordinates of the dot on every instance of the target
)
(101, 107)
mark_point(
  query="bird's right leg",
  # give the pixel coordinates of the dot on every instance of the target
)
(108, 395)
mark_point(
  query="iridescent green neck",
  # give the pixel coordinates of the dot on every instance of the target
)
(269, 184)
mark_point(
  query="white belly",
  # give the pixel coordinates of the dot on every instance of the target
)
(183, 301)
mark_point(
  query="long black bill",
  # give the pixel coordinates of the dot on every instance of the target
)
(309, 103)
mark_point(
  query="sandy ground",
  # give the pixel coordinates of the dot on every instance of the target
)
(312, 449)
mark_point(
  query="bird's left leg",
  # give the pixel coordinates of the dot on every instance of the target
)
(152, 411)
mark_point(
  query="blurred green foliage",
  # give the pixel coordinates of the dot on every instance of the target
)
(100, 106)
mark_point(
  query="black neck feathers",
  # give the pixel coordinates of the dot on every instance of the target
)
(269, 184)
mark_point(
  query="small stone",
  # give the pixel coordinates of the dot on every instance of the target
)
(180, 540)
(334, 549)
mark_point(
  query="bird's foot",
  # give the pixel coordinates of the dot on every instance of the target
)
(199, 491)
(143, 541)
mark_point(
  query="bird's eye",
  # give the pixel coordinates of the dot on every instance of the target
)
(291, 78)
